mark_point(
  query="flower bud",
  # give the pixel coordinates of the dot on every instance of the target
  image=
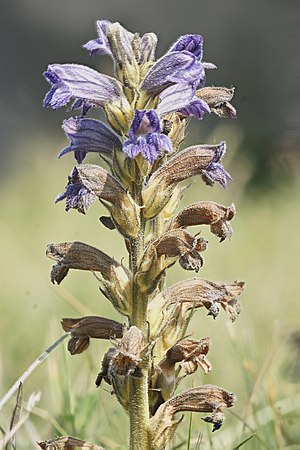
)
(126, 66)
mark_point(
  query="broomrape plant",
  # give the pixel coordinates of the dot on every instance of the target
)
(147, 106)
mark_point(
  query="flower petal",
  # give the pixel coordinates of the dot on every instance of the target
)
(174, 98)
(74, 80)
(88, 135)
(192, 43)
(215, 171)
(174, 67)
(196, 108)
(99, 46)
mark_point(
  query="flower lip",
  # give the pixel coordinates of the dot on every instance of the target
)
(215, 171)
(145, 137)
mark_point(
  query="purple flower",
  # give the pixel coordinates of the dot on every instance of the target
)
(215, 171)
(180, 98)
(145, 137)
(173, 68)
(192, 43)
(196, 108)
(77, 195)
(101, 45)
(79, 82)
(88, 135)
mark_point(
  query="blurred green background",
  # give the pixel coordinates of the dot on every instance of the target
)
(254, 46)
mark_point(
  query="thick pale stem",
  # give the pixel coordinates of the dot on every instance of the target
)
(138, 383)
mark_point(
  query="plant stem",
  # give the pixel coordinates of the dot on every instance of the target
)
(138, 382)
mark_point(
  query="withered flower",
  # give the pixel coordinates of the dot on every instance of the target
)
(206, 398)
(120, 362)
(206, 213)
(190, 354)
(218, 99)
(84, 328)
(68, 443)
(197, 160)
(163, 252)
(87, 182)
(77, 255)
(170, 311)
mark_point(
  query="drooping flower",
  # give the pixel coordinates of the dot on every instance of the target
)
(145, 137)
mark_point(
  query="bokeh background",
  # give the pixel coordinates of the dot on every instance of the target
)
(256, 48)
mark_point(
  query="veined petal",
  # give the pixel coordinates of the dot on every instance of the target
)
(174, 98)
(196, 107)
(99, 46)
(192, 43)
(88, 135)
(174, 67)
(79, 82)
(148, 47)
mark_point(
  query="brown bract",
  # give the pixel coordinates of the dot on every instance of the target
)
(189, 162)
(163, 252)
(218, 99)
(206, 398)
(206, 213)
(84, 328)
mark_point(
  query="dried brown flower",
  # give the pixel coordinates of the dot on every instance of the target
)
(84, 328)
(206, 213)
(170, 311)
(67, 443)
(206, 398)
(77, 255)
(162, 253)
(190, 354)
(188, 163)
(218, 99)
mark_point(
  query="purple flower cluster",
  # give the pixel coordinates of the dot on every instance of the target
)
(170, 82)
(136, 101)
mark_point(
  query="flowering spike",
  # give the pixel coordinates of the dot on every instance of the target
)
(147, 105)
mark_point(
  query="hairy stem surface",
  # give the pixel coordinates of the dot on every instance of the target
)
(138, 382)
